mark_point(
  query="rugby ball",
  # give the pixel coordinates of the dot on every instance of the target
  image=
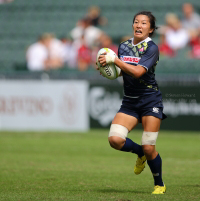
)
(110, 71)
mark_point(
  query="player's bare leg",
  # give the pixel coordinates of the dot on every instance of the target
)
(125, 144)
(120, 127)
(151, 126)
(127, 121)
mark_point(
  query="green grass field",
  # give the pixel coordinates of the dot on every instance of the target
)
(81, 166)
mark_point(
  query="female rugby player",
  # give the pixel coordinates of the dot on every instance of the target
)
(142, 101)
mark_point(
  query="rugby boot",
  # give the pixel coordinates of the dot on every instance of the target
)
(159, 189)
(140, 164)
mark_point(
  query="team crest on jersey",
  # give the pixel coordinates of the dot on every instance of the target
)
(130, 59)
(141, 50)
(155, 110)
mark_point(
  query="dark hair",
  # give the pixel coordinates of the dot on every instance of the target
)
(152, 20)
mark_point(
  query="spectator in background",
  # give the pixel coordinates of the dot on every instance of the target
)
(176, 36)
(6, 1)
(56, 52)
(70, 52)
(47, 53)
(37, 54)
(84, 55)
(77, 32)
(94, 50)
(164, 48)
(195, 49)
(94, 14)
(191, 20)
(106, 41)
(90, 32)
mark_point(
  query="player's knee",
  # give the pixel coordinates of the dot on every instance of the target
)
(149, 142)
(148, 149)
(117, 136)
(149, 138)
(116, 142)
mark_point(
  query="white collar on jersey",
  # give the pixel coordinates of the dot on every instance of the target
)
(145, 40)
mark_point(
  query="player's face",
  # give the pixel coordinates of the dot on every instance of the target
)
(141, 28)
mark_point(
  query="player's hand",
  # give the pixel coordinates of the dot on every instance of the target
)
(105, 59)
(102, 59)
(97, 68)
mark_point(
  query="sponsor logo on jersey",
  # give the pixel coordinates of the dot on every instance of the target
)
(155, 110)
(130, 59)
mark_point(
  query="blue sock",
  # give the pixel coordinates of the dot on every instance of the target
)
(133, 147)
(156, 169)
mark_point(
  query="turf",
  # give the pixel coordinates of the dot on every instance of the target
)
(81, 166)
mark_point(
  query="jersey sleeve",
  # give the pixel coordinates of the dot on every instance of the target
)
(150, 57)
(121, 49)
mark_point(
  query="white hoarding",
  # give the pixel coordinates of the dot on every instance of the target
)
(44, 105)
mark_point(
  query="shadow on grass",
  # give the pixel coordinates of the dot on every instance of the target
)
(192, 185)
(111, 190)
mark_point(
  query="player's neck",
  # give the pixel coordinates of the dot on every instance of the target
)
(137, 40)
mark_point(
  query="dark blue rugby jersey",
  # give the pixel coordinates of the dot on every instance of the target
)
(146, 54)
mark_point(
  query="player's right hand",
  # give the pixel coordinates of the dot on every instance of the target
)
(97, 68)
(102, 59)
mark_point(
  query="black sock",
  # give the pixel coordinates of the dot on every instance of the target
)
(133, 147)
(156, 169)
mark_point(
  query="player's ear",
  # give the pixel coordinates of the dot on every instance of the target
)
(151, 30)
(132, 27)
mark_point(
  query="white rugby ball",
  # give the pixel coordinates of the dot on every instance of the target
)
(110, 71)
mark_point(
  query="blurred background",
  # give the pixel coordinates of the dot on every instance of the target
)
(47, 62)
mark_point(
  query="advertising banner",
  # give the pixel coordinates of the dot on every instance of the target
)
(105, 101)
(44, 105)
(181, 105)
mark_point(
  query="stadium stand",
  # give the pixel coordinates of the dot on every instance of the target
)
(22, 21)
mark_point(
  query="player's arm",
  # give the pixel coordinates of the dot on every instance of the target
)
(134, 71)
(148, 60)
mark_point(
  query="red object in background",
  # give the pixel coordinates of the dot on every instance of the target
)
(194, 41)
(84, 54)
(195, 44)
(114, 48)
(166, 50)
(195, 53)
